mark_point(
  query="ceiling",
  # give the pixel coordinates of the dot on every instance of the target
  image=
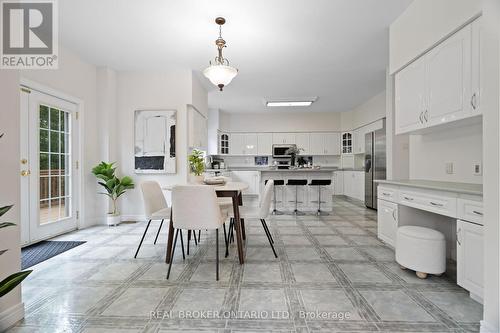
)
(336, 50)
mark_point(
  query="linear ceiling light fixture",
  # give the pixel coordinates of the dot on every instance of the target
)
(291, 102)
(220, 73)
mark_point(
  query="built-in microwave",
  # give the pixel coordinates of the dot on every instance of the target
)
(281, 150)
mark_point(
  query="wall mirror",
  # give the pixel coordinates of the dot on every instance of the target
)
(155, 141)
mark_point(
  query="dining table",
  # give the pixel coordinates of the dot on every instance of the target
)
(231, 190)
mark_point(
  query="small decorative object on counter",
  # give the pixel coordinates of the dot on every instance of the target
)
(114, 186)
(293, 151)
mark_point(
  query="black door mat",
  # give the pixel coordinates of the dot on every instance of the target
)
(36, 253)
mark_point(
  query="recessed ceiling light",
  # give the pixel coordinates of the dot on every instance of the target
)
(289, 103)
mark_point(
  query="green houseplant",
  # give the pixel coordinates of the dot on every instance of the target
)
(114, 186)
(196, 165)
(13, 280)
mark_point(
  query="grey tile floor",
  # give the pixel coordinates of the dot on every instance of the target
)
(332, 275)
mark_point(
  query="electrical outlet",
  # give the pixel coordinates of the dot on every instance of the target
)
(478, 169)
(449, 168)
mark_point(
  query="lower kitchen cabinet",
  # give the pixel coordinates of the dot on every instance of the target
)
(338, 183)
(470, 257)
(252, 178)
(354, 184)
(387, 219)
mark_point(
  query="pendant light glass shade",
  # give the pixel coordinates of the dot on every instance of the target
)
(220, 75)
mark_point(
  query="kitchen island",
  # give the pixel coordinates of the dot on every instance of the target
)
(307, 196)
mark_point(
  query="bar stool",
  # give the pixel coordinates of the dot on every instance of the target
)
(277, 182)
(319, 183)
(297, 183)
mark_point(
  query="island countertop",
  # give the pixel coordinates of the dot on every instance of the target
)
(464, 188)
(271, 169)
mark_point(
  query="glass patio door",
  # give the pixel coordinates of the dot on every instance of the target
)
(48, 166)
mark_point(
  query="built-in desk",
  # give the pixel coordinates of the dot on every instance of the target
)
(435, 204)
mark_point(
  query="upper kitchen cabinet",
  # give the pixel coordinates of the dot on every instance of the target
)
(224, 143)
(347, 143)
(302, 140)
(264, 143)
(409, 87)
(243, 144)
(198, 129)
(324, 144)
(359, 140)
(283, 138)
(442, 86)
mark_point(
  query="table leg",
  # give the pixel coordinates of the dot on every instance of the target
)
(170, 239)
(237, 224)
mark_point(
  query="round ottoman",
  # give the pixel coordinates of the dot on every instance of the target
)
(421, 249)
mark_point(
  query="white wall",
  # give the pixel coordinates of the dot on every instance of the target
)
(490, 101)
(78, 79)
(461, 146)
(280, 122)
(368, 112)
(423, 24)
(11, 308)
(151, 90)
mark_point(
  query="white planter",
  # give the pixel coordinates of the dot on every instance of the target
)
(196, 179)
(112, 219)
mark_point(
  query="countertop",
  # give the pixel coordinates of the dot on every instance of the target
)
(464, 188)
(271, 169)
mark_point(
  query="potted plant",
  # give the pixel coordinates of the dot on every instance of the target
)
(114, 186)
(196, 165)
(293, 151)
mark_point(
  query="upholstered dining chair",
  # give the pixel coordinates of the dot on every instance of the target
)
(196, 207)
(262, 214)
(155, 207)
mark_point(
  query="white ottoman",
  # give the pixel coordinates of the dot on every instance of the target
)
(421, 249)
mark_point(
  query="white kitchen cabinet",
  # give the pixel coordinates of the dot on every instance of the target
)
(346, 143)
(338, 183)
(387, 221)
(359, 140)
(442, 86)
(302, 141)
(410, 92)
(359, 185)
(283, 138)
(224, 143)
(449, 83)
(198, 129)
(349, 184)
(249, 177)
(302, 196)
(243, 144)
(470, 262)
(237, 144)
(264, 143)
(324, 143)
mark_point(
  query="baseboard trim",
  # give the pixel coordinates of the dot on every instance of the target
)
(487, 328)
(11, 316)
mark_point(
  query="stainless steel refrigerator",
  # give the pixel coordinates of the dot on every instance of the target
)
(375, 164)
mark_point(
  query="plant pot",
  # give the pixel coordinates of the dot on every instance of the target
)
(196, 179)
(113, 219)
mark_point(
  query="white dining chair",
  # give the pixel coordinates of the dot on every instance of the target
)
(262, 214)
(196, 207)
(155, 207)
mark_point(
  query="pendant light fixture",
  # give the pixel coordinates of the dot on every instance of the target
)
(220, 73)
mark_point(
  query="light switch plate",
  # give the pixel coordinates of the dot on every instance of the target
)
(478, 169)
(449, 168)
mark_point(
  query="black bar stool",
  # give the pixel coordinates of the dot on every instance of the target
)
(319, 183)
(277, 182)
(297, 183)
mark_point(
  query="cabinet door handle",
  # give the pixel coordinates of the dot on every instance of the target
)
(426, 115)
(408, 198)
(394, 215)
(473, 101)
(459, 233)
(420, 117)
(436, 204)
(386, 194)
(477, 212)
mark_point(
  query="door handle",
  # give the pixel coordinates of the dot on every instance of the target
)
(426, 115)
(420, 117)
(25, 173)
(436, 204)
(473, 101)
(394, 215)
(459, 233)
(408, 198)
(477, 212)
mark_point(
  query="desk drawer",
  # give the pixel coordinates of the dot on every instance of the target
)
(387, 194)
(470, 210)
(435, 203)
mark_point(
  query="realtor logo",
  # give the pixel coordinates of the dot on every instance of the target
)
(29, 38)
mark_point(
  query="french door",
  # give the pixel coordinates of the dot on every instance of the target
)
(49, 148)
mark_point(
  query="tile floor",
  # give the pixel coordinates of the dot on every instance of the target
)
(332, 275)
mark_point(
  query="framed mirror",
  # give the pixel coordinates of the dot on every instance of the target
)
(154, 150)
